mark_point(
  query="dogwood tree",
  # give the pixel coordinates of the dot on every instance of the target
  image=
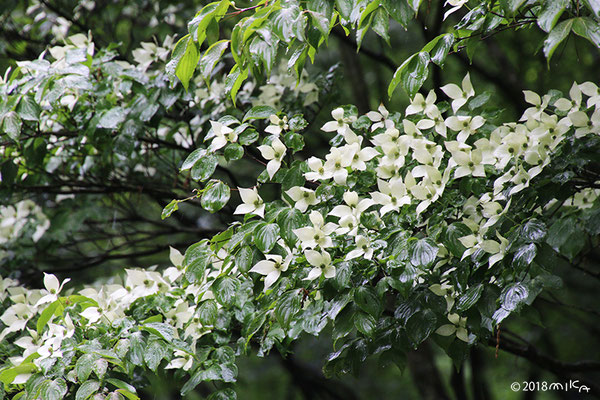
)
(434, 220)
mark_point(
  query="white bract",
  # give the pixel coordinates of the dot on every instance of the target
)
(252, 203)
(459, 95)
(302, 197)
(274, 153)
(222, 135)
(278, 125)
(321, 261)
(272, 268)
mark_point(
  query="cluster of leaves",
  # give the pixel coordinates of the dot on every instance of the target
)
(300, 28)
(438, 223)
(79, 122)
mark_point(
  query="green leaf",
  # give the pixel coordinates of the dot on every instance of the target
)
(127, 393)
(28, 109)
(160, 329)
(212, 12)
(84, 366)
(288, 220)
(587, 28)
(266, 236)
(234, 81)
(513, 296)
(245, 258)
(439, 47)
(53, 390)
(196, 258)
(207, 312)
(112, 118)
(248, 136)
(556, 36)
(225, 289)
(368, 300)
(205, 167)
(412, 73)
(380, 24)
(257, 320)
(566, 238)
(11, 125)
(288, 23)
(216, 196)
(511, 6)
(453, 233)
(414, 4)
(551, 11)
(345, 8)
(136, 350)
(534, 231)
(259, 112)
(422, 252)
(187, 64)
(233, 151)
(211, 57)
(155, 351)
(420, 325)
(524, 256)
(364, 323)
(100, 367)
(170, 209)
(193, 158)
(262, 53)
(288, 305)
(8, 375)
(469, 298)
(223, 394)
(46, 315)
(86, 389)
(399, 10)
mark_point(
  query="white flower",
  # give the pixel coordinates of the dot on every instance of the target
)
(318, 170)
(252, 203)
(457, 327)
(182, 361)
(539, 105)
(361, 156)
(354, 206)
(391, 195)
(275, 153)
(464, 125)
(272, 268)
(337, 161)
(321, 261)
(316, 235)
(585, 124)
(593, 92)
(572, 105)
(222, 135)
(341, 125)
(496, 249)
(302, 197)
(421, 104)
(469, 162)
(363, 249)
(459, 95)
(277, 125)
(456, 5)
(435, 121)
(380, 118)
(53, 288)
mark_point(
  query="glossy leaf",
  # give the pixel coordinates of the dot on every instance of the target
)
(215, 196)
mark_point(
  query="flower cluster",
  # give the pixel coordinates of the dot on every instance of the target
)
(406, 203)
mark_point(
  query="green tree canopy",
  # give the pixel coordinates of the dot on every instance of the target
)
(174, 204)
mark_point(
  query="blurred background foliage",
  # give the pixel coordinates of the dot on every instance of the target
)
(114, 224)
